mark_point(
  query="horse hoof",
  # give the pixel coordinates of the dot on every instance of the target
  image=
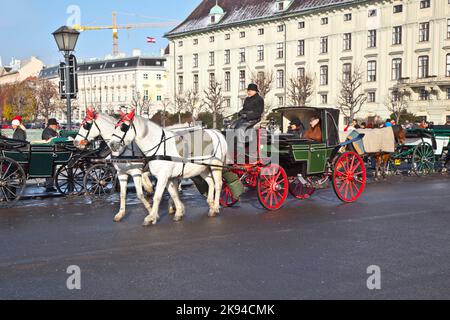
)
(212, 214)
(118, 219)
(178, 218)
(172, 211)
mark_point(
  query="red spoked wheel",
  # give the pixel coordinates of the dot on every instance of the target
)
(299, 190)
(272, 187)
(349, 177)
(226, 197)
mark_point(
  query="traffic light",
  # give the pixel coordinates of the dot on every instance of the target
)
(73, 89)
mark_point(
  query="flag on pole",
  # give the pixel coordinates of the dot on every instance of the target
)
(151, 40)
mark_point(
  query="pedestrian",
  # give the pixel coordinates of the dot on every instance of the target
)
(388, 123)
(50, 131)
(363, 125)
(20, 133)
(423, 124)
(370, 125)
(355, 124)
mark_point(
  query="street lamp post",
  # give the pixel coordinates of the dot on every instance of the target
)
(66, 38)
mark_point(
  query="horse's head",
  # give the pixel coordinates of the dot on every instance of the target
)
(88, 130)
(125, 132)
(400, 134)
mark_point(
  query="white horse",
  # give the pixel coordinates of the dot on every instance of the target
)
(96, 125)
(165, 163)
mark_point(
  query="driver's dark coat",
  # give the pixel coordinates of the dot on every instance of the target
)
(49, 133)
(253, 108)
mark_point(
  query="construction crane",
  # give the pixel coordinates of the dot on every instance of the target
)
(115, 29)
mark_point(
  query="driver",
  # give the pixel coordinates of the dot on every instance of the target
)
(251, 112)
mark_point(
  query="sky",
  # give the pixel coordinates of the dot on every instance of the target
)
(26, 26)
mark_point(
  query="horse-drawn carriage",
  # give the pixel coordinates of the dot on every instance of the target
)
(301, 165)
(22, 161)
(426, 150)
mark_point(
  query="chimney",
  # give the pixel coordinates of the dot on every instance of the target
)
(136, 53)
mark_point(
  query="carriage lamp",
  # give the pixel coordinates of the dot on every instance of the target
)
(66, 39)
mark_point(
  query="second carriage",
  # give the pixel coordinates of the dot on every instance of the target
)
(302, 165)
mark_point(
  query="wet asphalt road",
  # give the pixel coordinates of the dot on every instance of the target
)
(316, 249)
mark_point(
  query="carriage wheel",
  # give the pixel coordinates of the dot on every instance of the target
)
(226, 197)
(100, 180)
(299, 190)
(12, 182)
(423, 160)
(69, 180)
(349, 177)
(272, 187)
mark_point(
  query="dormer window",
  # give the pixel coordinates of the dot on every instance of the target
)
(282, 5)
(216, 14)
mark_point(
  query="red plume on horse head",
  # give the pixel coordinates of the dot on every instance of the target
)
(130, 116)
(90, 113)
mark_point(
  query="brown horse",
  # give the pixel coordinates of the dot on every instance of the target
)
(382, 158)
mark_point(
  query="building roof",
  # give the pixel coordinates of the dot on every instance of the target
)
(244, 11)
(115, 64)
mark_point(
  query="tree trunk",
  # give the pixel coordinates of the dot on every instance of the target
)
(214, 120)
(179, 118)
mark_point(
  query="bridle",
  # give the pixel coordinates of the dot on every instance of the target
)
(125, 128)
(88, 127)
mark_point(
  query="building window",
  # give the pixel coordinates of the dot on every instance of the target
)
(324, 99)
(372, 39)
(347, 71)
(242, 80)
(423, 67)
(242, 34)
(424, 32)
(324, 21)
(242, 55)
(158, 98)
(280, 50)
(347, 17)
(397, 35)
(280, 6)
(396, 69)
(180, 43)
(447, 72)
(425, 4)
(280, 101)
(195, 60)
(211, 59)
(146, 96)
(145, 77)
(227, 81)
(195, 42)
(227, 56)
(324, 45)
(448, 28)
(260, 53)
(280, 79)
(301, 48)
(424, 94)
(324, 75)
(448, 98)
(371, 71)
(211, 39)
(228, 103)
(347, 41)
(301, 25)
(371, 97)
(260, 31)
(212, 79)
(180, 62)
(158, 77)
(196, 83)
(227, 36)
(280, 28)
(372, 13)
(301, 73)
(398, 8)
(180, 84)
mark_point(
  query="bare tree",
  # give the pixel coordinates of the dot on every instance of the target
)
(214, 101)
(194, 104)
(141, 104)
(264, 81)
(397, 102)
(47, 98)
(165, 103)
(300, 89)
(179, 106)
(351, 98)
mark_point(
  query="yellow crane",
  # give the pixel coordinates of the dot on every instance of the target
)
(115, 29)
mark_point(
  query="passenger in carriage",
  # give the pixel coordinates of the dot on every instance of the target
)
(315, 131)
(296, 128)
(19, 129)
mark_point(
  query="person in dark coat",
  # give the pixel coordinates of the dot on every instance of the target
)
(251, 112)
(50, 131)
(48, 134)
(19, 130)
(296, 128)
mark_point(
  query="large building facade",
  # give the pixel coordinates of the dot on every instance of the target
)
(394, 43)
(114, 84)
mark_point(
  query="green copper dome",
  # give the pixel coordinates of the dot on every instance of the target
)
(216, 10)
